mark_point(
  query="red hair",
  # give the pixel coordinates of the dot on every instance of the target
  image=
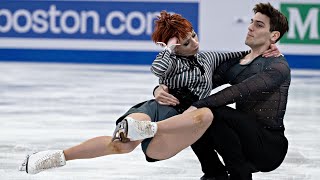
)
(168, 26)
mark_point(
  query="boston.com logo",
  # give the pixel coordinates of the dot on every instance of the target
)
(68, 22)
(304, 23)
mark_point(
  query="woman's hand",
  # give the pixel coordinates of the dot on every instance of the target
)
(163, 97)
(172, 43)
(273, 51)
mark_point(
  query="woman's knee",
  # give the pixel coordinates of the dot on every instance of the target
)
(204, 116)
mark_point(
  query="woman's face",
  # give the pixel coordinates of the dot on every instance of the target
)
(189, 46)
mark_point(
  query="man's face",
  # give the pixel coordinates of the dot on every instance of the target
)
(259, 31)
(189, 46)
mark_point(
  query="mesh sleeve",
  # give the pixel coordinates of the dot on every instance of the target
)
(270, 78)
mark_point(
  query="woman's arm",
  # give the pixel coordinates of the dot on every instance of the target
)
(163, 64)
(163, 97)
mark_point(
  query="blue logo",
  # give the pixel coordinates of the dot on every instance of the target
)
(87, 19)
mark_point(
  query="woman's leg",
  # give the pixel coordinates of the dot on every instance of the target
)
(103, 145)
(99, 146)
(178, 132)
(95, 147)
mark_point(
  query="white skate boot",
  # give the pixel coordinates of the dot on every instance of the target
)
(130, 129)
(43, 160)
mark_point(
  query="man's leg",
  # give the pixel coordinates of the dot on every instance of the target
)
(227, 143)
(245, 145)
(210, 163)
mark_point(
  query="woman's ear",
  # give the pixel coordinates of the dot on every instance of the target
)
(275, 36)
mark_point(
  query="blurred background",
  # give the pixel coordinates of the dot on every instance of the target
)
(69, 69)
(118, 32)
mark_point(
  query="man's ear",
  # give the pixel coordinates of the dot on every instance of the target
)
(275, 36)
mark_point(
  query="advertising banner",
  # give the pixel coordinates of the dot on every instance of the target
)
(119, 31)
(89, 31)
(224, 26)
(302, 42)
(304, 23)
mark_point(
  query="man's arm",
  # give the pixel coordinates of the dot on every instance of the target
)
(272, 77)
(217, 58)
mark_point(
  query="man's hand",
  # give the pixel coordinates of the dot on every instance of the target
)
(191, 108)
(273, 51)
(163, 97)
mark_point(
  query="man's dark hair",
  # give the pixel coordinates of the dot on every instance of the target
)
(278, 21)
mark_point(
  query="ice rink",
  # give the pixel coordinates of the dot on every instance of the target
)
(55, 106)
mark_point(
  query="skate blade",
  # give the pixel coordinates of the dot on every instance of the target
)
(120, 133)
(23, 166)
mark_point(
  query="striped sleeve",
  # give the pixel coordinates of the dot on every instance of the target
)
(217, 58)
(163, 64)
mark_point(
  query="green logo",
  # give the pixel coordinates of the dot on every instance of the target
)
(304, 23)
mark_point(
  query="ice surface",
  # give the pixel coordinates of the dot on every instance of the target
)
(55, 106)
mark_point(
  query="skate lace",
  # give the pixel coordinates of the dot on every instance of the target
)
(49, 161)
(144, 128)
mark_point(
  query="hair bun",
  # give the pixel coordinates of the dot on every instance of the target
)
(164, 15)
(170, 25)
